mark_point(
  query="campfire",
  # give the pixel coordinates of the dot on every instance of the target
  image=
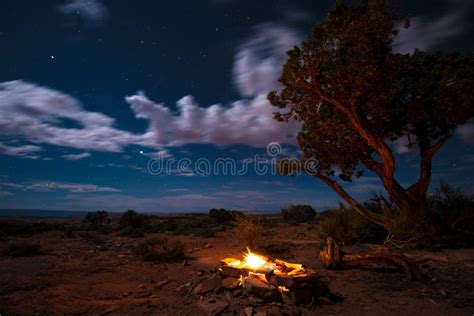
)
(273, 280)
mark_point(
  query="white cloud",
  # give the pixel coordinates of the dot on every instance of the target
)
(92, 12)
(51, 186)
(25, 151)
(248, 122)
(35, 113)
(425, 33)
(76, 156)
(259, 60)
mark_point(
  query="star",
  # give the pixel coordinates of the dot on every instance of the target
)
(141, 152)
(52, 56)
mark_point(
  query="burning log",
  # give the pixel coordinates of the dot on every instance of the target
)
(334, 258)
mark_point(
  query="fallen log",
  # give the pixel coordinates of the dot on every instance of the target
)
(334, 258)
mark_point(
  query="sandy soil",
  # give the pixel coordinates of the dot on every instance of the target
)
(80, 277)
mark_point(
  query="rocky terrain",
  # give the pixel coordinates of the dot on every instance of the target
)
(90, 273)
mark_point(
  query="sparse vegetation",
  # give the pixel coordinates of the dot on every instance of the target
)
(133, 224)
(453, 209)
(298, 213)
(248, 231)
(345, 225)
(158, 249)
(223, 216)
(96, 220)
(23, 249)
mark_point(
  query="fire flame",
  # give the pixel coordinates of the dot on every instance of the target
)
(258, 263)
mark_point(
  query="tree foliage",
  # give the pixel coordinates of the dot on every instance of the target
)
(354, 96)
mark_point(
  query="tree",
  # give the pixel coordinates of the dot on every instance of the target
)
(354, 96)
(96, 219)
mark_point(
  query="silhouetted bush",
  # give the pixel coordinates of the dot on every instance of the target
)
(452, 208)
(23, 250)
(202, 226)
(160, 250)
(96, 219)
(343, 225)
(248, 231)
(298, 213)
(133, 224)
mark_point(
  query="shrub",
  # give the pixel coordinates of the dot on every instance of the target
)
(96, 219)
(248, 231)
(223, 216)
(220, 215)
(133, 224)
(158, 249)
(23, 250)
(298, 213)
(343, 225)
(453, 209)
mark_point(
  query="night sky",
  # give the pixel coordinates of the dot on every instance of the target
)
(91, 90)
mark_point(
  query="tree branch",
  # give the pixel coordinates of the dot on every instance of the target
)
(427, 152)
(371, 216)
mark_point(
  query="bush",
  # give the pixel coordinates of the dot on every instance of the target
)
(158, 249)
(298, 213)
(96, 219)
(343, 225)
(133, 224)
(23, 250)
(248, 231)
(223, 216)
(452, 208)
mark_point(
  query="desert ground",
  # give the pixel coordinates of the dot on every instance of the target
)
(88, 272)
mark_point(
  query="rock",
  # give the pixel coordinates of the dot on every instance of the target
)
(208, 245)
(142, 294)
(141, 286)
(236, 292)
(248, 311)
(208, 285)
(263, 290)
(185, 263)
(197, 289)
(207, 264)
(261, 313)
(212, 307)
(159, 285)
(111, 309)
(230, 283)
(325, 301)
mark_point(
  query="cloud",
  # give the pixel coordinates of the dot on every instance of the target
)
(425, 33)
(52, 186)
(35, 113)
(466, 132)
(248, 122)
(25, 151)
(76, 156)
(91, 12)
(258, 62)
(5, 193)
(38, 114)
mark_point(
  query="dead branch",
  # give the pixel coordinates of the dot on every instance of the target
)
(334, 258)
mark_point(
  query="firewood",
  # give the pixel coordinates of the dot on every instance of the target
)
(334, 258)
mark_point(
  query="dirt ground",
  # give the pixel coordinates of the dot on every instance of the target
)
(78, 276)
